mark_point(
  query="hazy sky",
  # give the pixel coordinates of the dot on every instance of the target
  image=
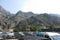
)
(36, 6)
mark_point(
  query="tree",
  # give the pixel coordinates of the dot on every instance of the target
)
(21, 27)
(35, 28)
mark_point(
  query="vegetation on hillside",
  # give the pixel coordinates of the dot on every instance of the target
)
(27, 21)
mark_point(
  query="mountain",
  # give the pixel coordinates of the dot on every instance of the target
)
(21, 16)
(49, 19)
(9, 20)
(42, 21)
(4, 18)
(58, 15)
(26, 20)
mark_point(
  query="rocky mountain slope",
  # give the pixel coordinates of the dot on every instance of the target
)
(27, 19)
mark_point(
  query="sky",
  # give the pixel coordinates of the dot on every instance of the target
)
(36, 6)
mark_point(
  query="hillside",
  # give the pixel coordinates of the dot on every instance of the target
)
(27, 21)
(43, 21)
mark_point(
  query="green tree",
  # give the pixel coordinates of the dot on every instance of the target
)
(21, 27)
(35, 28)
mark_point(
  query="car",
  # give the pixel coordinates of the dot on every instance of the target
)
(8, 34)
(1, 38)
(29, 33)
(49, 35)
(18, 34)
(21, 33)
(11, 34)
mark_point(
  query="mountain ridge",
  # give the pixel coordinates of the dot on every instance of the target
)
(18, 20)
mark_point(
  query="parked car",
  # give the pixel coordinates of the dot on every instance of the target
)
(8, 34)
(29, 33)
(21, 33)
(1, 38)
(18, 34)
(49, 35)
